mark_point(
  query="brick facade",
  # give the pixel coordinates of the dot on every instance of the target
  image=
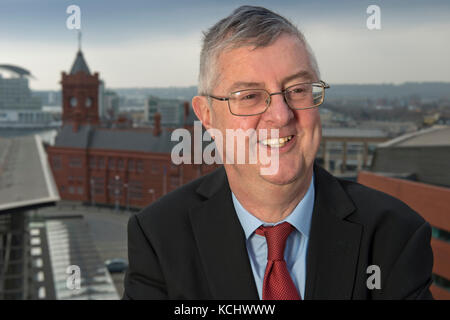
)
(102, 175)
(80, 99)
(129, 179)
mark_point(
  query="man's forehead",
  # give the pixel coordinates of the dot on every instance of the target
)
(232, 60)
(244, 50)
(301, 76)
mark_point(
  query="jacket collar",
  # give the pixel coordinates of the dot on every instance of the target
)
(221, 241)
(333, 248)
(332, 251)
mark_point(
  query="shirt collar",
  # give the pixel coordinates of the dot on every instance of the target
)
(300, 217)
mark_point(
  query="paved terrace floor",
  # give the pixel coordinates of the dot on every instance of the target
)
(94, 235)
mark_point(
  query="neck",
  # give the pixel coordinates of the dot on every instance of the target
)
(267, 201)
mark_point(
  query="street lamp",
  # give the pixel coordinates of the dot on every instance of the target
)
(116, 192)
(152, 191)
(92, 192)
(128, 195)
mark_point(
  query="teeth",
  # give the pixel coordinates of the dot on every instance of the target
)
(276, 142)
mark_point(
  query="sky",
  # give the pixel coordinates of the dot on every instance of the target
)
(147, 43)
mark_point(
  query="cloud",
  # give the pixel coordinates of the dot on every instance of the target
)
(151, 61)
(387, 55)
(143, 43)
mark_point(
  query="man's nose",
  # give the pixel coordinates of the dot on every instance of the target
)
(278, 112)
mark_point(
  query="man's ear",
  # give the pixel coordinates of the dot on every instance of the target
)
(202, 110)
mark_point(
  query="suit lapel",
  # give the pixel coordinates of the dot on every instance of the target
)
(334, 242)
(221, 242)
(332, 251)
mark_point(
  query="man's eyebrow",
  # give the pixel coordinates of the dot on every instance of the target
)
(304, 75)
(245, 85)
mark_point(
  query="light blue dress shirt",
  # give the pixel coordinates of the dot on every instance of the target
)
(296, 243)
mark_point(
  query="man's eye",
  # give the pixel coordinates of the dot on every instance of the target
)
(249, 96)
(297, 90)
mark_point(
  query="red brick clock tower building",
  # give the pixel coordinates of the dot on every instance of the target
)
(126, 167)
(80, 95)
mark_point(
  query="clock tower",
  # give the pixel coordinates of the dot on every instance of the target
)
(80, 94)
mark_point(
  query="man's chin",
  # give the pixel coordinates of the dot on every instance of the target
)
(280, 178)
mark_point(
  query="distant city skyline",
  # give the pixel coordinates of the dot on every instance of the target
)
(157, 44)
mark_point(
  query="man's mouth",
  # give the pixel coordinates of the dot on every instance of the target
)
(277, 143)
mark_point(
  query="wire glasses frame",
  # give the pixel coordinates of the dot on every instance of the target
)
(287, 93)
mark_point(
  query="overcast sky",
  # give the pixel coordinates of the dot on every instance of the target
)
(148, 43)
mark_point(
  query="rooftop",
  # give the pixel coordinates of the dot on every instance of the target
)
(15, 69)
(80, 64)
(434, 136)
(25, 178)
(114, 139)
(353, 133)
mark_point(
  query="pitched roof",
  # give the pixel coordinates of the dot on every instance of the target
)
(132, 140)
(438, 135)
(17, 70)
(25, 180)
(79, 64)
(66, 137)
(114, 139)
(353, 132)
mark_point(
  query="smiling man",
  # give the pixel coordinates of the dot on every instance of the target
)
(297, 233)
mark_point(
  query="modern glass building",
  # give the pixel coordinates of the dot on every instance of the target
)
(18, 107)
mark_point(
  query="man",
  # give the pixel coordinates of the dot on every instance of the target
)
(298, 233)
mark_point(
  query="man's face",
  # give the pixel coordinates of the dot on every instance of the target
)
(274, 68)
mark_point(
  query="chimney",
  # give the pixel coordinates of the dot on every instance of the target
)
(157, 126)
(186, 112)
(186, 109)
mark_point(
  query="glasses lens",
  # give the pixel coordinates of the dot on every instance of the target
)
(305, 95)
(248, 102)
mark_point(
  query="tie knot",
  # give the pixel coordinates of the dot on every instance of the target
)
(276, 239)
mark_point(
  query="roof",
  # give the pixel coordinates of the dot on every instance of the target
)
(434, 136)
(25, 177)
(17, 70)
(67, 138)
(79, 64)
(114, 139)
(132, 140)
(353, 133)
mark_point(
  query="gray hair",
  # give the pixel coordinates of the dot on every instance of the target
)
(246, 26)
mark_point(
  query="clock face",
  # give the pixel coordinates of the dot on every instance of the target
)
(73, 102)
(88, 102)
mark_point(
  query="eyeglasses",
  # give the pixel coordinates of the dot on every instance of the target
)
(251, 102)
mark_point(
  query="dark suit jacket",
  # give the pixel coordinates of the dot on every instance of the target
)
(190, 245)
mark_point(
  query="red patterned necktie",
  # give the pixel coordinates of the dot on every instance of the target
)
(277, 284)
